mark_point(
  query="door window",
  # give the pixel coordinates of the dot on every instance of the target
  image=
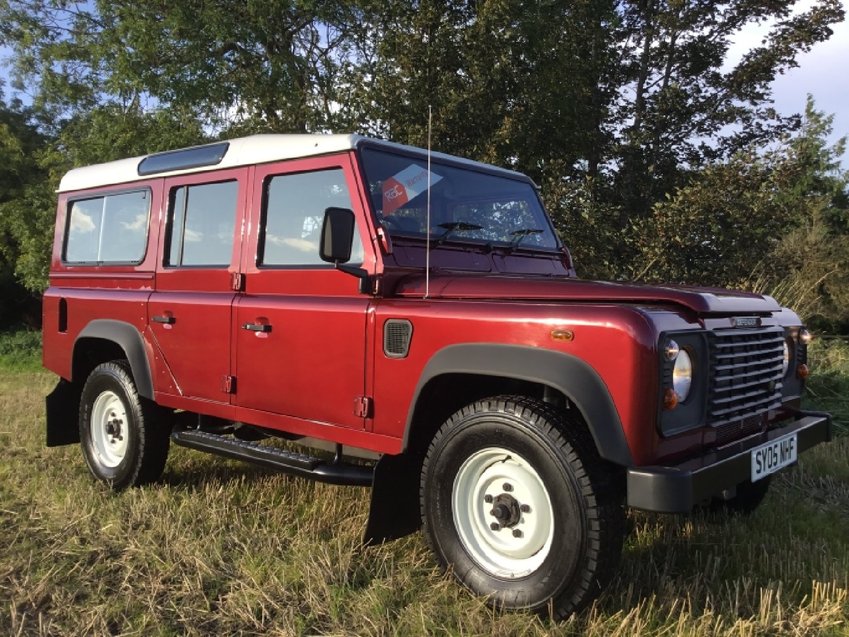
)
(201, 224)
(294, 213)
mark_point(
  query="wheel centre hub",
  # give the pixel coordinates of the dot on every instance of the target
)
(505, 509)
(113, 428)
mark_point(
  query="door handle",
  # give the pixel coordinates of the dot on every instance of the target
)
(257, 327)
(166, 320)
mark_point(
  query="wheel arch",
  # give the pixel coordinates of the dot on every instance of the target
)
(106, 339)
(546, 370)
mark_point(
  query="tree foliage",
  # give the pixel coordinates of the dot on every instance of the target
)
(629, 113)
(778, 222)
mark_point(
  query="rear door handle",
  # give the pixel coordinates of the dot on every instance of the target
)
(167, 320)
(257, 327)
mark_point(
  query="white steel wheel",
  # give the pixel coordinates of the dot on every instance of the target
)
(109, 431)
(516, 502)
(503, 513)
(124, 437)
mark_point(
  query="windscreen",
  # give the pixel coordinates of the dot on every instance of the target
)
(466, 205)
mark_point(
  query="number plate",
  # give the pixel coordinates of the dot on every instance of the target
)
(772, 456)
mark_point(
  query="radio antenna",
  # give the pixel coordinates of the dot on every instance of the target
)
(427, 229)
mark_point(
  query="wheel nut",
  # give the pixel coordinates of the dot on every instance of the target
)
(525, 508)
(495, 526)
(517, 533)
(507, 487)
(487, 498)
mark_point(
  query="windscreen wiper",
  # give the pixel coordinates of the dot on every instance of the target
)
(454, 226)
(521, 235)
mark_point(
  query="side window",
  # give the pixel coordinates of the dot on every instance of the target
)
(294, 212)
(201, 224)
(108, 229)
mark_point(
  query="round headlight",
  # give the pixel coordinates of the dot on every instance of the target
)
(785, 362)
(682, 375)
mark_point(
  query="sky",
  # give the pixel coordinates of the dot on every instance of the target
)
(820, 73)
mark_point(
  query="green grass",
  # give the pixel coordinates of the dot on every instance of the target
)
(224, 548)
(20, 350)
(828, 388)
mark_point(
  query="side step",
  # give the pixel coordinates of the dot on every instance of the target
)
(287, 461)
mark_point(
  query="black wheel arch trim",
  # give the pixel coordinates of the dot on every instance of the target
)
(570, 375)
(129, 339)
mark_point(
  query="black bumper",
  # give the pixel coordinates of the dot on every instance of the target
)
(678, 488)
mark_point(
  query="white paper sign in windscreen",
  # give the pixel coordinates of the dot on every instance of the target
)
(405, 186)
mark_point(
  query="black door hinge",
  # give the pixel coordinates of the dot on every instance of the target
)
(237, 282)
(228, 385)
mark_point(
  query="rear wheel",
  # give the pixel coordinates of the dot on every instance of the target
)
(124, 437)
(517, 502)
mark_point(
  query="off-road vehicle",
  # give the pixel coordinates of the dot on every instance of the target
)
(417, 311)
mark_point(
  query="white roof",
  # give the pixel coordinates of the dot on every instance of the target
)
(243, 151)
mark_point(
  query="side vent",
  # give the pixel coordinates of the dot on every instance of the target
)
(397, 334)
(63, 315)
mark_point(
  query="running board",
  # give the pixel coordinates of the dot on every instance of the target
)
(280, 459)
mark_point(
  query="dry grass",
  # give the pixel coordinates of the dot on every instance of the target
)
(222, 548)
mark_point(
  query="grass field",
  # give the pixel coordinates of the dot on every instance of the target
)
(222, 548)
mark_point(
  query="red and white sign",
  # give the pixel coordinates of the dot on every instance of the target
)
(405, 186)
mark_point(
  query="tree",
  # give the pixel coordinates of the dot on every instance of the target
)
(609, 104)
(777, 222)
(19, 172)
(256, 65)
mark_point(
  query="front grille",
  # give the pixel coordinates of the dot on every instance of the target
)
(738, 429)
(746, 371)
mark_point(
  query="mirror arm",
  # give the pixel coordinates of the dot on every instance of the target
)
(366, 280)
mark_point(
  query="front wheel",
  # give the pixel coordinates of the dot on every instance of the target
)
(521, 507)
(124, 436)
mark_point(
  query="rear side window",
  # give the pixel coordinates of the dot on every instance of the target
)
(294, 213)
(108, 229)
(201, 224)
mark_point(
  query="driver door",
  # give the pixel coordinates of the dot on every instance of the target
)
(300, 329)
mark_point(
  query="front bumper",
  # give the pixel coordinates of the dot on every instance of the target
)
(678, 488)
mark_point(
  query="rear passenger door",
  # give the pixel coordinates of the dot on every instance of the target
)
(189, 315)
(300, 323)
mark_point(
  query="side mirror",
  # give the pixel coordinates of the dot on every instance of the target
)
(337, 235)
(337, 239)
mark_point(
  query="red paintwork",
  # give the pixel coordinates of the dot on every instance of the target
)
(324, 349)
(700, 300)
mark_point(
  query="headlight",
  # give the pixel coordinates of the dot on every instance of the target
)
(682, 375)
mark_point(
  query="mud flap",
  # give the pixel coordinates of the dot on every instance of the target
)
(394, 510)
(62, 406)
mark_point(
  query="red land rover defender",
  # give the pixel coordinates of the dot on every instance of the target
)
(420, 312)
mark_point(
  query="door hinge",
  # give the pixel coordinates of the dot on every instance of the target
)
(363, 406)
(228, 385)
(237, 282)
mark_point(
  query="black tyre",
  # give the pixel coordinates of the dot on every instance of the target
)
(124, 437)
(518, 504)
(748, 498)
